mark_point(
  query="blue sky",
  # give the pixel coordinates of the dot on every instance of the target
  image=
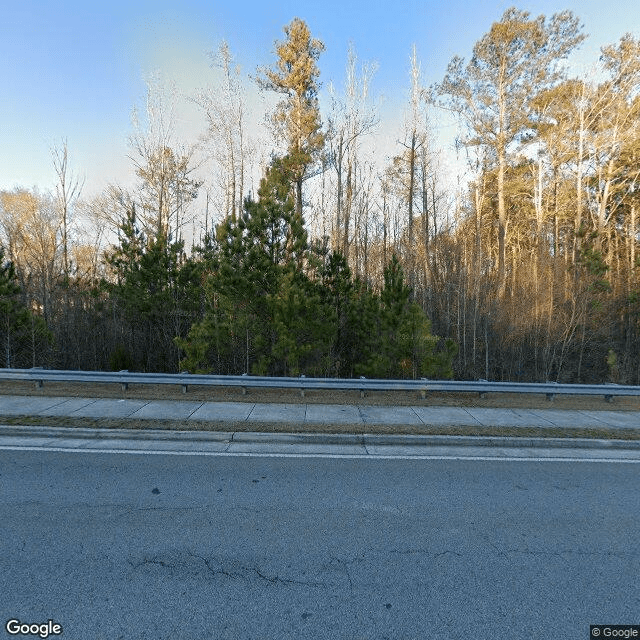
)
(75, 70)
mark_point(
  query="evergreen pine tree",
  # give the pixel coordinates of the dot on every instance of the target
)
(152, 290)
(24, 336)
(304, 327)
(354, 310)
(297, 118)
(254, 258)
(405, 347)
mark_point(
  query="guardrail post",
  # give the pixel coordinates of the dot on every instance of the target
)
(550, 396)
(124, 385)
(609, 397)
(302, 388)
(39, 383)
(244, 389)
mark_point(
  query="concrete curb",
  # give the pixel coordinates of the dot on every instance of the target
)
(249, 437)
(106, 434)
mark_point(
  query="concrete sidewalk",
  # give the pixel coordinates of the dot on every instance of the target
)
(246, 413)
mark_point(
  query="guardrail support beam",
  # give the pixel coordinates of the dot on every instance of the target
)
(38, 376)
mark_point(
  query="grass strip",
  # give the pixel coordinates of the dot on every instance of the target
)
(284, 427)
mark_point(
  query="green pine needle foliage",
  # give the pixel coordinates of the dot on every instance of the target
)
(276, 305)
(24, 336)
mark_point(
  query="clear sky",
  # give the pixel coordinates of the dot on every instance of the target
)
(75, 70)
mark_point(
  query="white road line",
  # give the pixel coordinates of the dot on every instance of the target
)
(346, 456)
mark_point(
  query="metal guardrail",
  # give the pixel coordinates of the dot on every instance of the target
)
(421, 386)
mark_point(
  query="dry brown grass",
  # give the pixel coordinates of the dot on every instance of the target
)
(292, 396)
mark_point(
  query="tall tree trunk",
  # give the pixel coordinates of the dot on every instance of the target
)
(632, 243)
(502, 224)
(299, 196)
(351, 169)
(339, 244)
(579, 160)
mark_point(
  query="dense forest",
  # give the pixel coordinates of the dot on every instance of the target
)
(346, 263)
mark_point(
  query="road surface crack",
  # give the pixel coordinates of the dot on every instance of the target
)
(565, 552)
(278, 580)
(152, 561)
(344, 567)
(244, 572)
(213, 571)
(427, 552)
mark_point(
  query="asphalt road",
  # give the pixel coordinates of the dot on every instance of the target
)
(113, 546)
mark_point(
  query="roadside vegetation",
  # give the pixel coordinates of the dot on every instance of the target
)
(345, 263)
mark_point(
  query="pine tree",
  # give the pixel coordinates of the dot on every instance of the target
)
(303, 327)
(297, 117)
(405, 347)
(257, 288)
(24, 336)
(493, 92)
(338, 293)
(151, 291)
